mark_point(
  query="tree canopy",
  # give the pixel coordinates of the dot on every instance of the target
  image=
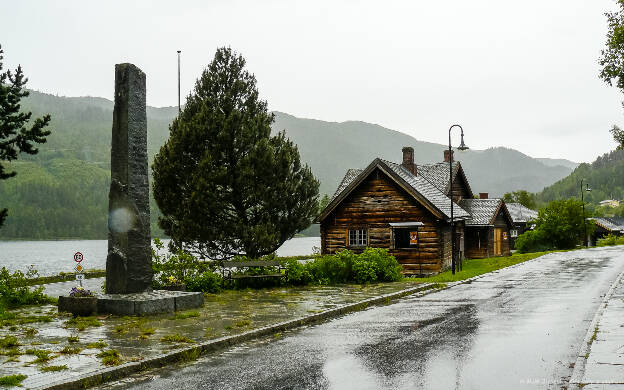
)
(523, 197)
(17, 133)
(225, 186)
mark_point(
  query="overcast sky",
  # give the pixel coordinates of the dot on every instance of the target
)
(521, 74)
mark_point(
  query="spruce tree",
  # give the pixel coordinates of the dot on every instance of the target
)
(225, 186)
(17, 133)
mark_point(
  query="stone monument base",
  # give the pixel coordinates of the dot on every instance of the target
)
(157, 301)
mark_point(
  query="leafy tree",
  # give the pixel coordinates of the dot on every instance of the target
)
(225, 186)
(15, 136)
(523, 197)
(558, 225)
(618, 136)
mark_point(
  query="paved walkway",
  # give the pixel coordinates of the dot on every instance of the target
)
(604, 367)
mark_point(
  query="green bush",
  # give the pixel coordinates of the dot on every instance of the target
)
(610, 240)
(14, 290)
(531, 241)
(208, 282)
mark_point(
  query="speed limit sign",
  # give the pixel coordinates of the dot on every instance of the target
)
(78, 257)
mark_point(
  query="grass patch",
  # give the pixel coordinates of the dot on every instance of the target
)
(97, 345)
(190, 355)
(53, 368)
(30, 332)
(176, 338)
(43, 355)
(185, 315)
(13, 320)
(9, 342)
(242, 323)
(11, 352)
(67, 350)
(82, 323)
(475, 267)
(73, 339)
(146, 332)
(110, 357)
(12, 380)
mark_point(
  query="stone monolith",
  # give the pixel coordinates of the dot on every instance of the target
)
(129, 262)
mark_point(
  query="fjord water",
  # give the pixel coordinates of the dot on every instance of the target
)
(52, 257)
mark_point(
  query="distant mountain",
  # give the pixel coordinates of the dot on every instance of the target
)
(331, 148)
(605, 177)
(62, 191)
(553, 162)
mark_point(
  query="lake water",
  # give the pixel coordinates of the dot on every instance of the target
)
(52, 257)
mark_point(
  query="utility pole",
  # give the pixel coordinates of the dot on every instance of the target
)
(179, 108)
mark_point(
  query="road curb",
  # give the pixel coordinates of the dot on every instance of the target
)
(109, 374)
(579, 366)
(192, 352)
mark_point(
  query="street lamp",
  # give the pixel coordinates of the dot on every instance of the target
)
(583, 203)
(179, 109)
(462, 146)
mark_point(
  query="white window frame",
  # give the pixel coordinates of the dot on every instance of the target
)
(358, 237)
(513, 233)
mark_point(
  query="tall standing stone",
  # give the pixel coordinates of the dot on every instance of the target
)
(129, 262)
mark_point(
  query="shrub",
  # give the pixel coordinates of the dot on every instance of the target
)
(208, 282)
(14, 290)
(531, 241)
(610, 239)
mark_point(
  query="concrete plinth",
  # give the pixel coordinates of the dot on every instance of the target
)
(152, 302)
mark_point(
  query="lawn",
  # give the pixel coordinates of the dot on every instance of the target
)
(474, 267)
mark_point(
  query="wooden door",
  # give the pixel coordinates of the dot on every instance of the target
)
(498, 241)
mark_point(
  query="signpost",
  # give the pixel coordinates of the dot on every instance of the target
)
(78, 257)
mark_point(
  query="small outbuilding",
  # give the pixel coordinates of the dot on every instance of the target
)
(487, 232)
(521, 216)
(606, 226)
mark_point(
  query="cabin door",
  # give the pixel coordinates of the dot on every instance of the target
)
(498, 241)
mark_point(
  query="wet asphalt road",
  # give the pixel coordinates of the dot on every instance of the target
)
(517, 328)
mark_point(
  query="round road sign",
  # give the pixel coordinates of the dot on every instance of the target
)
(78, 257)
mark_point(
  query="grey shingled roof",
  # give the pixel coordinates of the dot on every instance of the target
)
(611, 224)
(437, 174)
(481, 210)
(346, 180)
(428, 191)
(520, 213)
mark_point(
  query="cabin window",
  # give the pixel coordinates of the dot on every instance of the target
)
(406, 238)
(513, 233)
(358, 237)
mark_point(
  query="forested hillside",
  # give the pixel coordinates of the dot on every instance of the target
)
(605, 177)
(62, 192)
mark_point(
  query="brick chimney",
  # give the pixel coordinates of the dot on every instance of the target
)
(483, 195)
(408, 159)
(446, 155)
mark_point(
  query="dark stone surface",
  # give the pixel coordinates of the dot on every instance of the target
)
(157, 301)
(84, 306)
(129, 262)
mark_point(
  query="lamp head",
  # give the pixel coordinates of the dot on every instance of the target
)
(462, 146)
(587, 187)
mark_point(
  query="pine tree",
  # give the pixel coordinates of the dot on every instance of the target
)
(225, 186)
(15, 134)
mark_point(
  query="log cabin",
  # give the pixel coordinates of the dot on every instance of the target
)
(389, 205)
(488, 231)
(404, 208)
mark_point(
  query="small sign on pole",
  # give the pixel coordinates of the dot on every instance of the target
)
(78, 257)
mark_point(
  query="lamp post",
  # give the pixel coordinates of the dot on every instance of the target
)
(461, 146)
(585, 241)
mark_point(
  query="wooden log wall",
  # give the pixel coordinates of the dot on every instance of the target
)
(372, 206)
(460, 191)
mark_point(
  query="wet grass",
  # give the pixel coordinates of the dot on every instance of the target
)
(43, 355)
(185, 315)
(475, 267)
(9, 342)
(82, 323)
(97, 345)
(176, 338)
(53, 368)
(12, 380)
(73, 339)
(67, 350)
(110, 357)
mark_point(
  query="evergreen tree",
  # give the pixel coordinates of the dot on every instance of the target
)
(523, 197)
(225, 186)
(15, 134)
